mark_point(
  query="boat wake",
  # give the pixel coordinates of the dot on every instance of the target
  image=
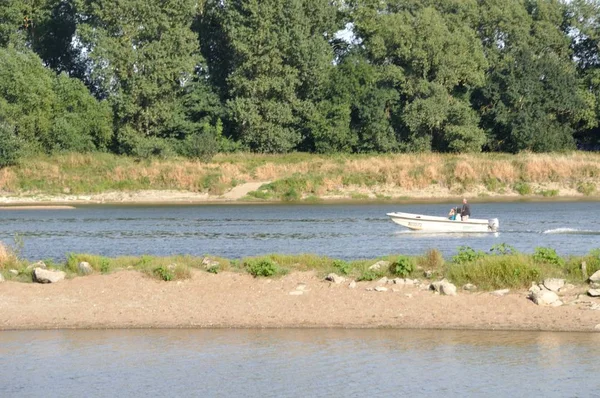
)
(570, 231)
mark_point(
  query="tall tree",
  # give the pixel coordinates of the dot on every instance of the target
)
(46, 111)
(439, 59)
(585, 33)
(271, 60)
(533, 99)
(143, 55)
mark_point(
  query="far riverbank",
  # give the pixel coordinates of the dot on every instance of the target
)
(252, 178)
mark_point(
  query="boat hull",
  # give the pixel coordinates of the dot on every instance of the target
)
(418, 222)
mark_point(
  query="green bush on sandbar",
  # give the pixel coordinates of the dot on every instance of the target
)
(262, 267)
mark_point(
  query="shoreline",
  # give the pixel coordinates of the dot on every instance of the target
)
(132, 300)
(169, 197)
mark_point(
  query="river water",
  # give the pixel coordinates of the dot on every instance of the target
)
(298, 363)
(339, 231)
(293, 362)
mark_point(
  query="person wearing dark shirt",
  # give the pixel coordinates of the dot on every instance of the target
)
(465, 211)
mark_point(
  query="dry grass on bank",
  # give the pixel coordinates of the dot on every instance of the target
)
(300, 175)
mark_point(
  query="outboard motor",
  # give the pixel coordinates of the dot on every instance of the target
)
(493, 224)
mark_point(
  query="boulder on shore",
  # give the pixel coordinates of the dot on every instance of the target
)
(593, 292)
(39, 264)
(85, 268)
(545, 298)
(554, 284)
(444, 287)
(379, 265)
(335, 278)
(41, 275)
(595, 277)
(500, 293)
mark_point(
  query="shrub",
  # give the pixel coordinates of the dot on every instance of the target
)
(342, 266)
(547, 255)
(503, 249)
(8, 257)
(181, 272)
(466, 255)
(548, 192)
(369, 275)
(523, 188)
(262, 267)
(104, 265)
(495, 272)
(10, 146)
(213, 269)
(151, 147)
(492, 184)
(403, 266)
(164, 273)
(291, 195)
(586, 188)
(433, 259)
(144, 261)
(201, 145)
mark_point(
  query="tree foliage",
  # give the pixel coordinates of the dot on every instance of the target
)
(187, 77)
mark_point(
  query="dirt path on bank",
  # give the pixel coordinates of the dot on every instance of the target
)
(129, 299)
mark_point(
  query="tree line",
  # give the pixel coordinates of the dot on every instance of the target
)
(195, 77)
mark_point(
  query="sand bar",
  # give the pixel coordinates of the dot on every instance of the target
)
(130, 299)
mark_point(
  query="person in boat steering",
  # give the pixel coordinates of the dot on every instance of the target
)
(465, 210)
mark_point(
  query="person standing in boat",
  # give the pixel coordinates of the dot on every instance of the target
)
(465, 210)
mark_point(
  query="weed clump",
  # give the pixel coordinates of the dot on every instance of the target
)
(403, 266)
(432, 260)
(369, 275)
(164, 273)
(171, 272)
(341, 266)
(262, 267)
(466, 255)
(547, 255)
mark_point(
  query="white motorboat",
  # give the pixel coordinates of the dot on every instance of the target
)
(420, 222)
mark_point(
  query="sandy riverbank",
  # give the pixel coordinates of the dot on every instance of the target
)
(129, 299)
(239, 195)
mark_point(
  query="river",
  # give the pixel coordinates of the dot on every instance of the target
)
(295, 362)
(340, 231)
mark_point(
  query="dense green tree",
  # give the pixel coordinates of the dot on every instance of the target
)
(46, 111)
(10, 145)
(272, 60)
(437, 58)
(13, 25)
(143, 55)
(195, 77)
(585, 34)
(532, 104)
(53, 37)
(533, 99)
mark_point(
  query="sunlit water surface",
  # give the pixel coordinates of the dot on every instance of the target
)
(340, 231)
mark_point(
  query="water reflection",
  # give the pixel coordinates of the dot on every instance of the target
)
(307, 362)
